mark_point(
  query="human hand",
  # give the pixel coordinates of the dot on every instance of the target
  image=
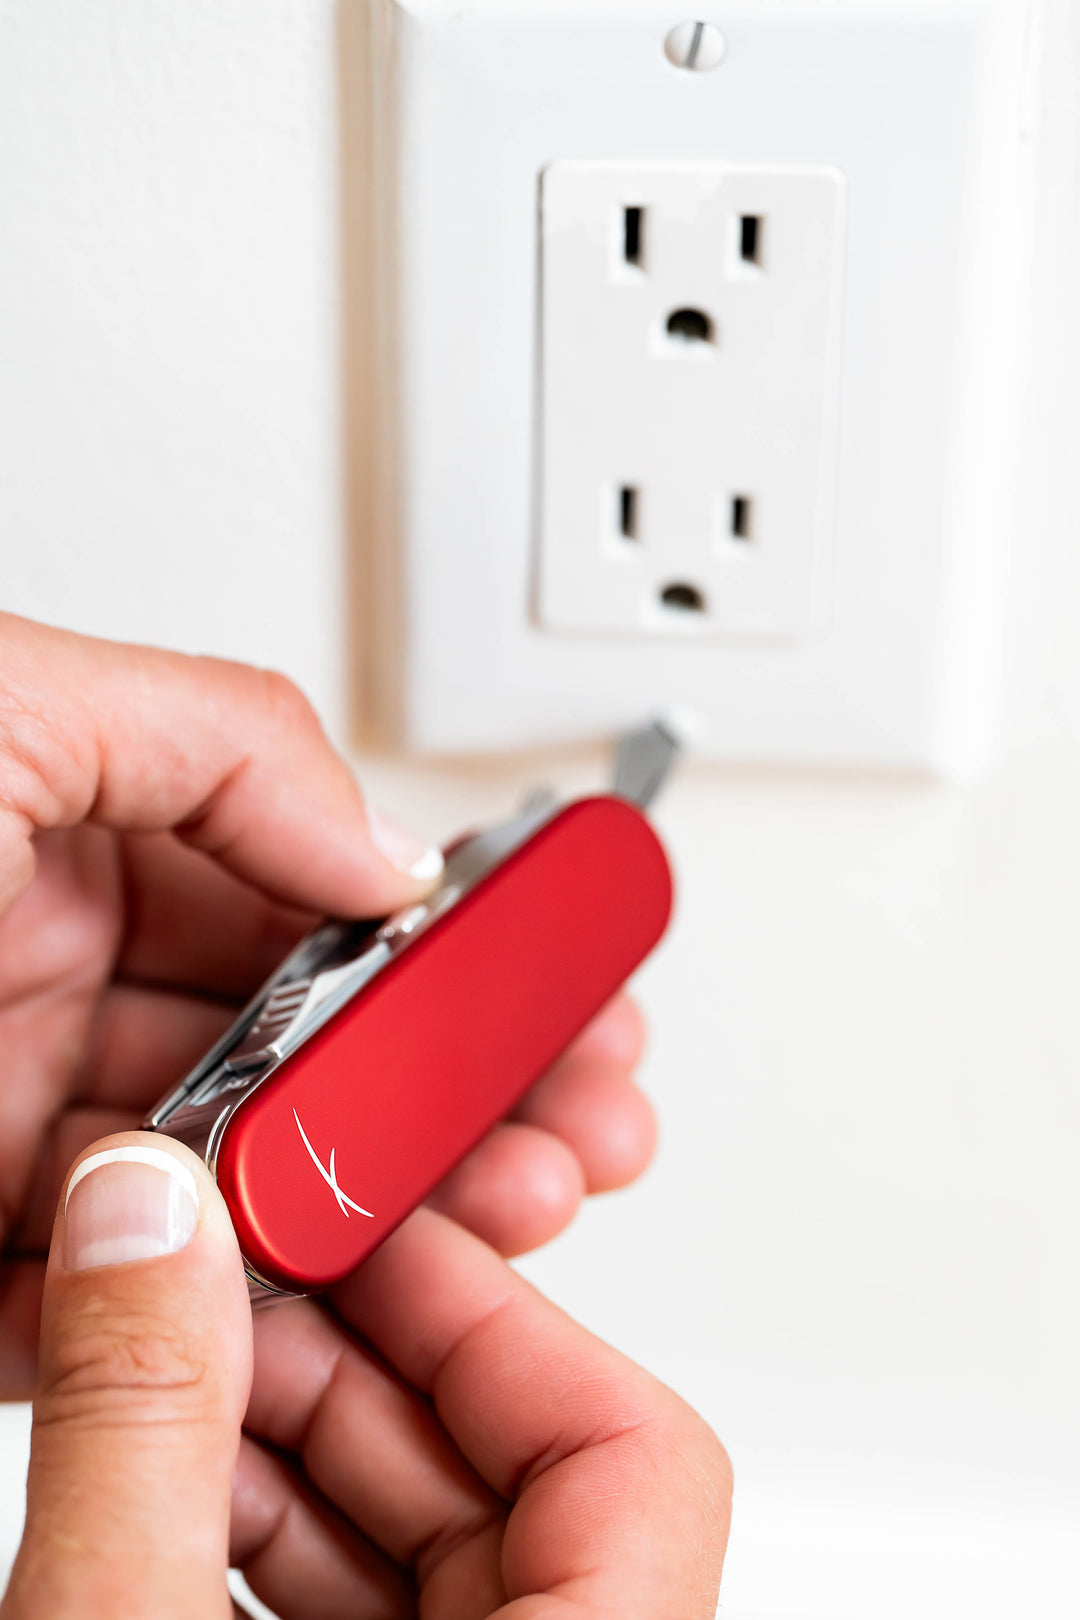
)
(168, 828)
(442, 1442)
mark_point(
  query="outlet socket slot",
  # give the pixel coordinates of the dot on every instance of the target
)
(751, 241)
(627, 514)
(741, 519)
(633, 237)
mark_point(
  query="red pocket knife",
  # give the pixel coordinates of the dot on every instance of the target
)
(380, 1052)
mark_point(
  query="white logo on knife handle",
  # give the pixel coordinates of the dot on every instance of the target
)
(329, 1176)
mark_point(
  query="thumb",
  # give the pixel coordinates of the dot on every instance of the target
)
(145, 1369)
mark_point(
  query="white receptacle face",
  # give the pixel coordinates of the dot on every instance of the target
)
(690, 329)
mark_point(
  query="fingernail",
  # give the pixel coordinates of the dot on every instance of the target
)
(404, 850)
(128, 1203)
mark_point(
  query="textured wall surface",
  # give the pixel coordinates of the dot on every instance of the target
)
(857, 1249)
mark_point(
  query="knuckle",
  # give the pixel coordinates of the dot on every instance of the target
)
(123, 1365)
(708, 1458)
(719, 1467)
(714, 1462)
(699, 1477)
(706, 1466)
(287, 704)
(265, 695)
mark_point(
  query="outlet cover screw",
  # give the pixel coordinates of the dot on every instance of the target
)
(697, 46)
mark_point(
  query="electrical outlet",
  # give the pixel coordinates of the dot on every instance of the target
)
(693, 372)
(689, 341)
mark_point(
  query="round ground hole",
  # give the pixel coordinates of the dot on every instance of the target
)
(690, 326)
(683, 598)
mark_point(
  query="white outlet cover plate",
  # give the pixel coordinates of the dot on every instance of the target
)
(918, 105)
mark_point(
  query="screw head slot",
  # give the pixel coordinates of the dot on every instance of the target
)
(696, 46)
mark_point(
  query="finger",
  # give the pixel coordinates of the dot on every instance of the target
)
(68, 1135)
(517, 1189)
(584, 1127)
(231, 758)
(367, 1441)
(616, 1035)
(20, 1316)
(299, 1556)
(191, 924)
(590, 1447)
(143, 1041)
(145, 1365)
(39, 1040)
(604, 1120)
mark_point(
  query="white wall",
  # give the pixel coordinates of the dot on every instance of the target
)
(857, 1251)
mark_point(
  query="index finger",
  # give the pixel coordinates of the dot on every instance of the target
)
(589, 1447)
(232, 759)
